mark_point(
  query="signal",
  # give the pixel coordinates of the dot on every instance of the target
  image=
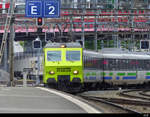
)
(39, 21)
(144, 44)
(37, 44)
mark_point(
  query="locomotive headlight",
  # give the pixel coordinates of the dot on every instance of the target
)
(63, 46)
(52, 72)
(75, 72)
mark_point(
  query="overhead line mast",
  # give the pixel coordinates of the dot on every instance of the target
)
(8, 26)
(11, 41)
(6, 29)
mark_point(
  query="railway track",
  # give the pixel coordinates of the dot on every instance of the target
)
(144, 93)
(115, 108)
(130, 101)
(136, 94)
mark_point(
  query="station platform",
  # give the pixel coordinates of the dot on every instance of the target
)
(40, 100)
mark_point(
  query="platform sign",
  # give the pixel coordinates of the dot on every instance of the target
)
(43, 8)
(52, 8)
(33, 8)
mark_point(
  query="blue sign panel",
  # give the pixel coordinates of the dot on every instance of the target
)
(52, 8)
(43, 8)
(33, 8)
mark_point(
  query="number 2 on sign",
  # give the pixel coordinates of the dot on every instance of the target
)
(52, 9)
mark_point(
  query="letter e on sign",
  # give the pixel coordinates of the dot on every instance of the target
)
(33, 8)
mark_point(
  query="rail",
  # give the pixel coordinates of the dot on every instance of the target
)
(144, 93)
(125, 94)
(109, 103)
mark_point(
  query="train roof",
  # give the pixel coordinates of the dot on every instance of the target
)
(68, 45)
(118, 53)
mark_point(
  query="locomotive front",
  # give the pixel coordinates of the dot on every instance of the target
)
(63, 65)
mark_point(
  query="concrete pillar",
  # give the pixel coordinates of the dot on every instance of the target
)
(24, 79)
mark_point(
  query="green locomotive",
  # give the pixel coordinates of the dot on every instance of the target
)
(63, 65)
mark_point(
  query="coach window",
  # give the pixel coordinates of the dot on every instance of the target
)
(123, 62)
(100, 64)
(137, 63)
(85, 61)
(147, 66)
(143, 65)
(127, 64)
(116, 64)
(140, 66)
(105, 63)
(90, 64)
(119, 64)
(95, 63)
(132, 64)
(145, 62)
(110, 65)
(91, 61)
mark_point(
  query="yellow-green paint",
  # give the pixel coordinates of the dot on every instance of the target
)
(52, 65)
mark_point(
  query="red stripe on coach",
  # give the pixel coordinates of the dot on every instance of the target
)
(1, 6)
